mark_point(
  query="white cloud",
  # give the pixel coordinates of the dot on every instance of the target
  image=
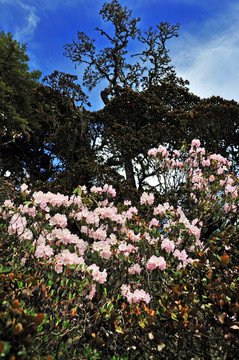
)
(42, 5)
(21, 18)
(31, 22)
(210, 60)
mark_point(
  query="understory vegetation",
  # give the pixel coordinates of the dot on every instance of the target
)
(83, 277)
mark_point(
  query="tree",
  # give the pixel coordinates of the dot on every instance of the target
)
(63, 132)
(216, 124)
(152, 65)
(16, 85)
(134, 122)
(38, 122)
(65, 84)
(151, 68)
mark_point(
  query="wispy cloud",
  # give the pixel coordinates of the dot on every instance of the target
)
(209, 59)
(20, 17)
(31, 22)
(206, 52)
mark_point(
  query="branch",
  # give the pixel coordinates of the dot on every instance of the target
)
(102, 32)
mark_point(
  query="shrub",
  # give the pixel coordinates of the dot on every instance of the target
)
(157, 281)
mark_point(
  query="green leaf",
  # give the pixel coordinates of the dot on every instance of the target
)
(110, 306)
(142, 324)
(157, 252)
(136, 230)
(6, 269)
(119, 330)
(174, 316)
(6, 350)
(154, 232)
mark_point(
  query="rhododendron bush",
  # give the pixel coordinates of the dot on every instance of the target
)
(143, 269)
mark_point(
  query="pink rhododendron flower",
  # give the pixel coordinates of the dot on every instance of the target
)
(26, 235)
(137, 296)
(81, 245)
(156, 262)
(106, 212)
(96, 190)
(112, 191)
(58, 268)
(212, 178)
(176, 153)
(32, 211)
(92, 292)
(159, 210)
(125, 289)
(98, 276)
(162, 150)
(206, 162)
(181, 255)
(43, 251)
(168, 245)
(8, 203)
(106, 252)
(195, 142)
(24, 188)
(147, 199)
(152, 152)
(153, 222)
(59, 219)
(99, 234)
(232, 190)
(17, 225)
(134, 269)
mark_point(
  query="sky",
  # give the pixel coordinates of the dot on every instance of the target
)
(206, 52)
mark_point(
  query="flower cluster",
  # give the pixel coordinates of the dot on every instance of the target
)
(108, 239)
(136, 296)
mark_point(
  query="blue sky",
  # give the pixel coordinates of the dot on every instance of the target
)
(206, 51)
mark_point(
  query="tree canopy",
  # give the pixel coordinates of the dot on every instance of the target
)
(16, 82)
(145, 103)
(16, 86)
(113, 64)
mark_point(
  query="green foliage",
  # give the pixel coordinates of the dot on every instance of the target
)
(216, 124)
(65, 84)
(18, 327)
(16, 85)
(7, 190)
(60, 134)
(193, 308)
(132, 123)
(35, 119)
